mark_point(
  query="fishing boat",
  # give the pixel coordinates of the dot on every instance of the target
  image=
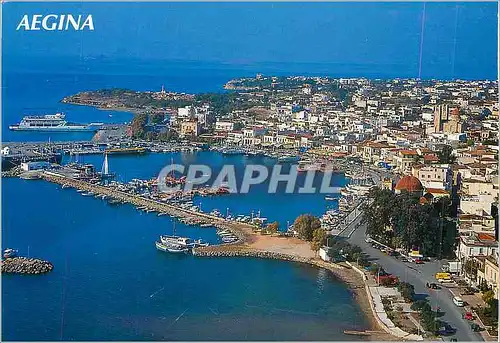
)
(177, 240)
(305, 166)
(232, 151)
(288, 158)
(176, 249)
(199, 243)
(330, 197)
(8, 253)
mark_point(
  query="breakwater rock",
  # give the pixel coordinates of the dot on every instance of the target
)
(208, 252)
(25, 265)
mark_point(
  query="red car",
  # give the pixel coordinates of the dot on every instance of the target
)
(468, 316)
(418, 261)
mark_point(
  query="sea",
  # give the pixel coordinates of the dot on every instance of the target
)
(110, 283)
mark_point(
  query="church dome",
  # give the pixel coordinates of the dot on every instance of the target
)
(409, 183)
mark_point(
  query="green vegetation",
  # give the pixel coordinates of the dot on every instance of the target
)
(489, 313)
(427, 316)
(272, 228)
(446, 156)
(353, 253)
(138, 126)
(305, 225)
(139, 129)
(400, 221)
(318, 240)
(407, 291)
(223, 103)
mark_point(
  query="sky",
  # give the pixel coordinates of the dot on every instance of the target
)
(459, 39)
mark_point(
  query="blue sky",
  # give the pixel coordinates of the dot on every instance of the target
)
(459, 39)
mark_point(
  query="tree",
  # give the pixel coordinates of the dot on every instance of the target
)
(138, 125)
(157, 118)
(318, 240)
(407, 291)
(305, 224)
(273, 227)
(488, 296)
(378, 214)
(470, 268)
(150, 136)
(168, 136)
(446, 155)
(238, 126)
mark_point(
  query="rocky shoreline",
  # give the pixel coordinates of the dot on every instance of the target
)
(25, 265)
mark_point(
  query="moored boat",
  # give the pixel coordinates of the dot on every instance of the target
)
(172, 248)
(8, 253)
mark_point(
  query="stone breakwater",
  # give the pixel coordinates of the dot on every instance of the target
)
(243, 252)
(25, 265)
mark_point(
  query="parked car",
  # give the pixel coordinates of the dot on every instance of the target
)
(433, 286)
(419, 261)
(475, 327)
(458, 301)
(468, 316)
(446, 329)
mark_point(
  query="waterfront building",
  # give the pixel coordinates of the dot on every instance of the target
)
(190, 128)
(225, 126)
(35, 165)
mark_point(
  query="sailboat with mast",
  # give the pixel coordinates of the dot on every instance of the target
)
(174, 244)
(105, 174)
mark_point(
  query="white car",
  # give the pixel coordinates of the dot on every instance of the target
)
(458, 301)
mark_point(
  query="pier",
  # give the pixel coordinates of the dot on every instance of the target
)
(240, 229)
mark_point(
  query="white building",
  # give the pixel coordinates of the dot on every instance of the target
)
(226, 126)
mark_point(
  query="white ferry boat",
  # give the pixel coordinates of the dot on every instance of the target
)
(52, 122)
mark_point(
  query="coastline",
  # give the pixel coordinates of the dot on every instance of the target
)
(348, 276)
(114, 109)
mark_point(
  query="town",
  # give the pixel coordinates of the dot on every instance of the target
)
(433, 145)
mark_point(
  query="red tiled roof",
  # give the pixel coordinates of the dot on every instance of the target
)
(428, 157)
(408, 152)
(485, 237)
(409, 183)
(436, 191)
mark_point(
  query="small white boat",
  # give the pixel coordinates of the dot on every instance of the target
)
(8, 253)
(176, 249)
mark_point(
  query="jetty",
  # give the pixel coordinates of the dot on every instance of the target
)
(240, 229)
(25, 265)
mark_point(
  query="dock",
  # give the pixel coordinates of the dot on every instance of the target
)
(238, 228)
